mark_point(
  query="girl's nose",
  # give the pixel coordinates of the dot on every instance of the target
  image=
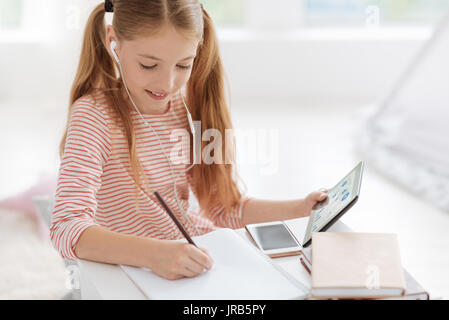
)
(167, 82)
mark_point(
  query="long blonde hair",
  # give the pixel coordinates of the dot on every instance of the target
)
(205, 91)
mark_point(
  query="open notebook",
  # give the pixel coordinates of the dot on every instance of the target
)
(240, 271)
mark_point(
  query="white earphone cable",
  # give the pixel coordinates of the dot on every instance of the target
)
(175, 178)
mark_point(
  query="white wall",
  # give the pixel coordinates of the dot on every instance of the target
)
(321, 66)
(317, 67)
(40, 63)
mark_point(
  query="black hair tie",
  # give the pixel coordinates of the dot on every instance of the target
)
(108, 6)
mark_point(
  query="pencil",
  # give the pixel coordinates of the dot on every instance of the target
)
(173, 217)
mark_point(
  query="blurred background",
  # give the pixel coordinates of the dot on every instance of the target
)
(316, 86)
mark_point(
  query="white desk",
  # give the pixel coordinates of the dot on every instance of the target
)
(109, 282)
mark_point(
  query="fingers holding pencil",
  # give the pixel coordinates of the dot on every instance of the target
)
(200, 261)
(176, 260)
(193, 260)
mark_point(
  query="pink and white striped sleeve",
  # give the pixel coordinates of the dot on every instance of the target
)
(232, 219)
(217, 213)
(87, 148)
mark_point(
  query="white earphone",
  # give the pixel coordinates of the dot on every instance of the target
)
(113, 45)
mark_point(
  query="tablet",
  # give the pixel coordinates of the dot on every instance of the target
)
(340, 199)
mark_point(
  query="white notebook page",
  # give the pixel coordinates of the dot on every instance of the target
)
(240, 271)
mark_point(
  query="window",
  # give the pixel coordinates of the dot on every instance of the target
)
(30, 20)
(388, 12)
(330, 13)
(10, 14)
(226, 12)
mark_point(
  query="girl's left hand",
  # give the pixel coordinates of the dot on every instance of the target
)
(315, 200)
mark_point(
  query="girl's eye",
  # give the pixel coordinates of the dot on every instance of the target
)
(148, 67)
(152, 67)
(185, 67)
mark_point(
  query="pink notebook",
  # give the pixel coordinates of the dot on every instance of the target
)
(356, 265)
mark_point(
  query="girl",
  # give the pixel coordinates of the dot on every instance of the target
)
(137, 82)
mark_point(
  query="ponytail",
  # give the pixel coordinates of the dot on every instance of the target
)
(93, 62)
(95, 65)
(94, 72)
(206, 96)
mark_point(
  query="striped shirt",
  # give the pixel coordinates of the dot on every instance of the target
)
(95, 186)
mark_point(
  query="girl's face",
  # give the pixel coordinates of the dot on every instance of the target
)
(155, 68)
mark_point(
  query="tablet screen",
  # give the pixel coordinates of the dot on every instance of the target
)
(339, 197)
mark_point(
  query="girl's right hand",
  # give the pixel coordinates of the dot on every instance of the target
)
(174, 260)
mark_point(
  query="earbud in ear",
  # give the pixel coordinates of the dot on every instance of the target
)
(113, 46)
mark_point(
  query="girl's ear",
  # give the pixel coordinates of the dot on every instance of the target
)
(110, 36)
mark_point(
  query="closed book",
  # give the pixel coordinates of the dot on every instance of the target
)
(356, 265)
(413, 290)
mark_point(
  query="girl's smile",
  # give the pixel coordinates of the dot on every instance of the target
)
(156, 96)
